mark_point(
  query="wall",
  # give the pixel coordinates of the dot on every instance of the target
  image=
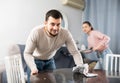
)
(18, 17)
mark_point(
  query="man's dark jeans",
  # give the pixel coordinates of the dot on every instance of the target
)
(42, 65)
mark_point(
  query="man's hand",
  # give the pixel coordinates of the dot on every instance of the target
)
(83, 69)
(34, 72)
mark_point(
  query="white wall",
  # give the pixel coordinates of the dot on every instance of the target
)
(18, 17)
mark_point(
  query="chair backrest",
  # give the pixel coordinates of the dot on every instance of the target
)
(14, 69)
(113, 65)
(22, 48)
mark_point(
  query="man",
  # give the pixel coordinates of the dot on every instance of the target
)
(44, 41)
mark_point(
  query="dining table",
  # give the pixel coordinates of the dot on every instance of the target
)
(66, 75)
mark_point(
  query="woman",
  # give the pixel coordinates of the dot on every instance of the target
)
(98, 42)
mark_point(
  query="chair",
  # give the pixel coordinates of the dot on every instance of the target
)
(13, 65)
(112, 65)
(14, 69)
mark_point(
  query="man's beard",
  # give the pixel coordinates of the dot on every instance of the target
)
(52, 34)
(49, 33)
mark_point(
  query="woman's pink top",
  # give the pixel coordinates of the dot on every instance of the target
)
(98, 40)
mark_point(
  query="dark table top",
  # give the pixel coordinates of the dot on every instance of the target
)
(66, 75)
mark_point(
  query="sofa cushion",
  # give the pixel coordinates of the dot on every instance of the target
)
(63, 58)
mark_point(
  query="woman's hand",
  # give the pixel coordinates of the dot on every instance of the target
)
(99, 48)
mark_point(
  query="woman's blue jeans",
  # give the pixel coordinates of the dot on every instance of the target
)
(42, 65)
(102, 57)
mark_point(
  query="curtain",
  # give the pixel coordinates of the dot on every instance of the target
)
(104, 16)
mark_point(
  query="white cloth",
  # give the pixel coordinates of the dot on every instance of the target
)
(83, 69)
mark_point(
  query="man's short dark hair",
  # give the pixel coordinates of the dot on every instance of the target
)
(53, 13)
